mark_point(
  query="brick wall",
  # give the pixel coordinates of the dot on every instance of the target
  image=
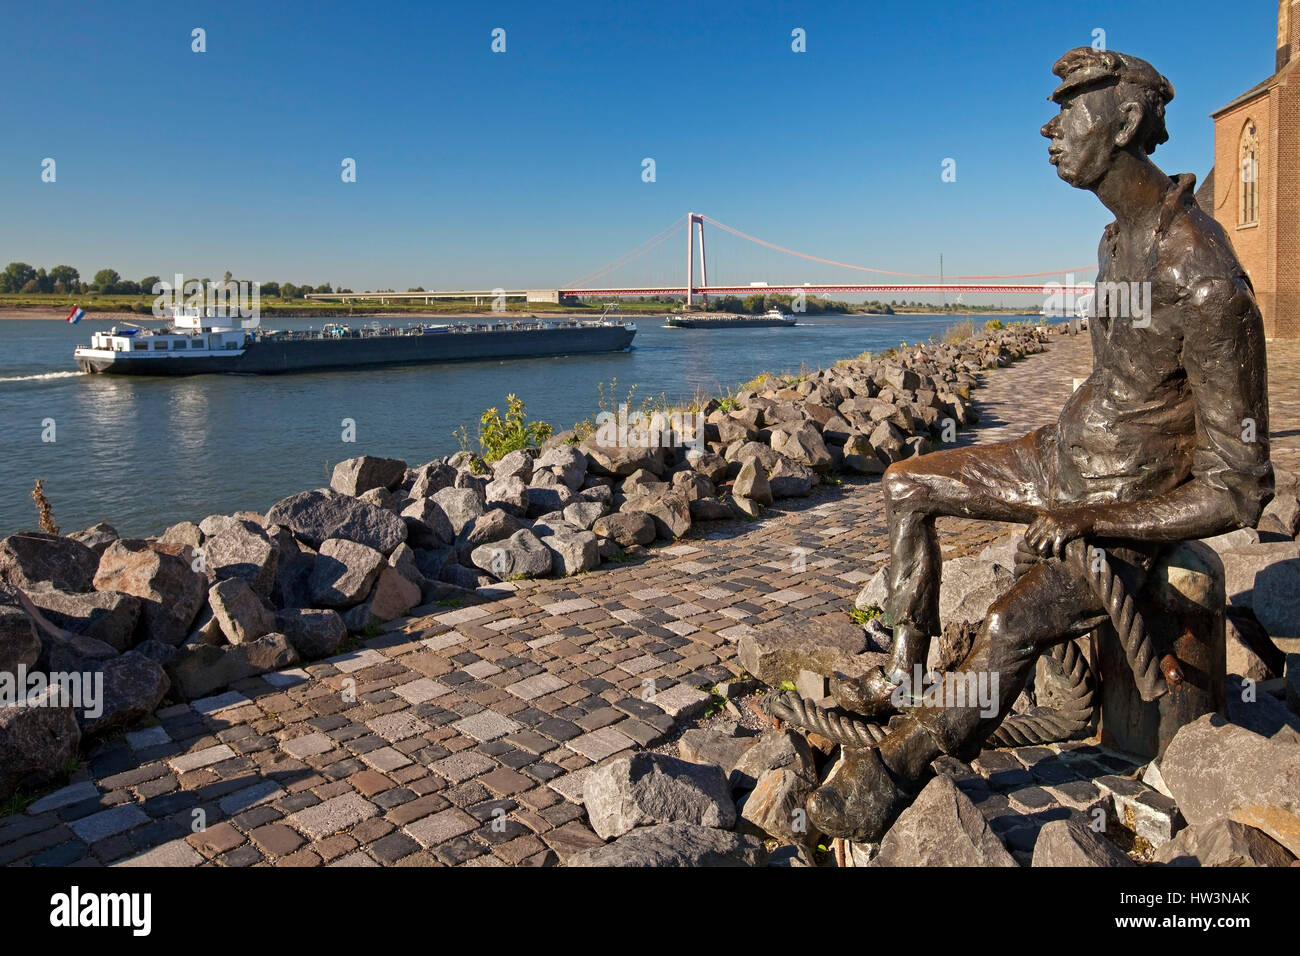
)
(1254, 243)
(1286, 186)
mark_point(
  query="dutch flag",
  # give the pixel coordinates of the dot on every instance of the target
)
(76, 315)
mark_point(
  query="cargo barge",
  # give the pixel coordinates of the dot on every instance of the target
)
(197, 344)
(771, 319)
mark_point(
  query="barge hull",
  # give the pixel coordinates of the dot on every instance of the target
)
(270, 356)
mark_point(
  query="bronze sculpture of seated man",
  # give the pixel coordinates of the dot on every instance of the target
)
(1166, 440)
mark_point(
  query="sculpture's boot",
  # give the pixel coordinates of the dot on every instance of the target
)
(873, 694)
(874, 785)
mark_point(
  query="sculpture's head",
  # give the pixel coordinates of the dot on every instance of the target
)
(1110, 103)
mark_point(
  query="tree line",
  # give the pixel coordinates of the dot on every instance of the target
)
(19, 277)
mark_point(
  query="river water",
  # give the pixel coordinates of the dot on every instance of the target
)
(144, 453)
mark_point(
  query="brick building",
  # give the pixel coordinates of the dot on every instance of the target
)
(1253, 190)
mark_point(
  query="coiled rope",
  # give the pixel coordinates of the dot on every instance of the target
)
(1073, 681)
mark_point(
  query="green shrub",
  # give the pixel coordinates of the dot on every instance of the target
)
(499, 436)
(992, 325)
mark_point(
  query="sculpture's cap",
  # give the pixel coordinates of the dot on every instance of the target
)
(1083, 67)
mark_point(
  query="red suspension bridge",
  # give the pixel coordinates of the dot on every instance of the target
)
(598, 284)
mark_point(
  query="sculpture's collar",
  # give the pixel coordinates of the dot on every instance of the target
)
(1179, 197)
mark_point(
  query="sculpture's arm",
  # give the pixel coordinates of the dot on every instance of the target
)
(1232, 479)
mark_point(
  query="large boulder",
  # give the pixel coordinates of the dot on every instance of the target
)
(133, 687)
(567, 463)
(466, 579)
(710, 509)
(183, 533)
(860, 455)
(671, 513)
(693, 485)
(240, 611)
(68, 653)
(643, 483)
(97, 537)
(875, 592)
(494, 525)
(427, 525)
(969, 586)
(752, 483)
(1222, 843)
(942, 827)
(403, 559)
(170, 590)
(292, 586)
(521, 555)
(316, 516)
(572, 552)
(776, 805)
(1212, 767)
(32, 558)
(675, 845)
(1071, 843)
(621, 461)
(583, 514)
(790, 479)
(777, 652)
(19, 645)
(313, 632)
(774, 750)
(547, 498)
(804, 444)
(393, 596)
(516, 464)
(741, 452)
(705, 745)
(242, 550)
(649, 788)
(356, 476)
(1281, 515)
(1266, 578)
(626, 529)
(199, 670)
(508, 493)
(712, 467)
(432, 478)
(460, 505)
(344, 573)
(37, 739)
(103, 615)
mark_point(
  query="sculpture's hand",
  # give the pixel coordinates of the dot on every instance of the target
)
(1053, 530)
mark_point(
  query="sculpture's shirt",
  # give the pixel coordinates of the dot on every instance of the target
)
(1170, 398)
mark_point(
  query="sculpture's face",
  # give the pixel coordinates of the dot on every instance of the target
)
(1083, 137)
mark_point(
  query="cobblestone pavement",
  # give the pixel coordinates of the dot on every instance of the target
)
(462, 736)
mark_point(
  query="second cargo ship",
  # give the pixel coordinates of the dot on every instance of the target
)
(200, 343)
(772, 318)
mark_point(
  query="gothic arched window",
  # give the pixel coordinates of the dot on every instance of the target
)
(1248, 208)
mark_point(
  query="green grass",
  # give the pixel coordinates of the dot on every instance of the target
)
(16, 803)
(858, 616)
(717, 703)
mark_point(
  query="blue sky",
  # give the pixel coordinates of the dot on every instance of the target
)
(524, 168)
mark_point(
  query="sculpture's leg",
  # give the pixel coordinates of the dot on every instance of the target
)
(1050, 603)
(999, 482)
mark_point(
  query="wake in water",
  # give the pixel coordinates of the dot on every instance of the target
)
(40, 378)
